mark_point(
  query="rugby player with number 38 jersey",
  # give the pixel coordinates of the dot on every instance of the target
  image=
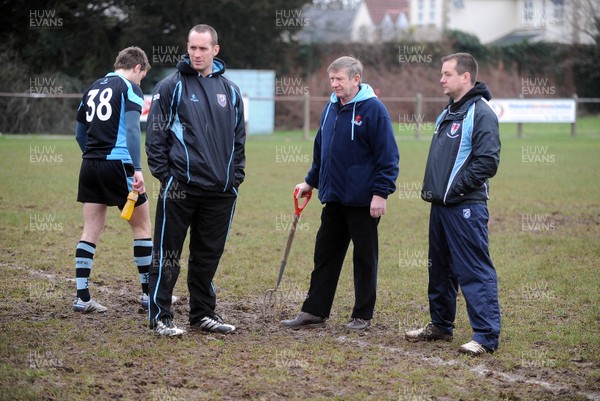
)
(108, 133)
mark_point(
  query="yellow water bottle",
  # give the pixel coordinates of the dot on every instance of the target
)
(129, 205)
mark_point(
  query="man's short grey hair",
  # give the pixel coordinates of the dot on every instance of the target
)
(351, 65)
(201, 28)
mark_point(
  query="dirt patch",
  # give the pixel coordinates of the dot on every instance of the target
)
(53, 353)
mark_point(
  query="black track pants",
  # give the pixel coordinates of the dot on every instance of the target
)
(208, 216)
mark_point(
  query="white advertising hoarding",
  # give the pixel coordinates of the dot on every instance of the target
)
(534, 110)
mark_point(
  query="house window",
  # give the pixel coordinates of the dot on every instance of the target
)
(528, 10)
(559, 10)
(432, 11)
(420, 7)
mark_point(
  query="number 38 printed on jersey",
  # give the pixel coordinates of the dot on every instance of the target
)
(103, 109)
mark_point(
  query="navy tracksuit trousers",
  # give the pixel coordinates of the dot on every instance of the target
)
(459, 256)
(208, 216)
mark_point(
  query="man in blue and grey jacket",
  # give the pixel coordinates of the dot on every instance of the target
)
(355, 166)
(195, 146)
(464, 154)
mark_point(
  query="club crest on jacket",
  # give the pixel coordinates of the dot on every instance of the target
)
(221, 99)
(454, 130)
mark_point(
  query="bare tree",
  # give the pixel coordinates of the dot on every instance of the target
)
(584, 18)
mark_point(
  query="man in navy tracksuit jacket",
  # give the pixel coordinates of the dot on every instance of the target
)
(355, 166)
(195, 147)
(464, 154)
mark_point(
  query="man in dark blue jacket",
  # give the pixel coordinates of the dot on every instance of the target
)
(195, 146)
(464, 154)
(355, 166)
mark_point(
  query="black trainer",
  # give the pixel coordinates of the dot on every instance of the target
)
(213, 324)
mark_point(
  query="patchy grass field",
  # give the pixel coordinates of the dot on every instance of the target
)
(545, 243)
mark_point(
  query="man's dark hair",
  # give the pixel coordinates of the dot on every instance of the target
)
(464, 63)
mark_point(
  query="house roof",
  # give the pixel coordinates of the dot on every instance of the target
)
(326, 26)
(516, 36)
(379, 8)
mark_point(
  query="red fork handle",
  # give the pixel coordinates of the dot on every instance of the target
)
(300, 207)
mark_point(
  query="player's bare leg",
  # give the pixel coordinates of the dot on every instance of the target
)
(140, 221)
(94, 217)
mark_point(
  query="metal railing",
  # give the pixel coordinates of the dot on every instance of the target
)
(418, 101)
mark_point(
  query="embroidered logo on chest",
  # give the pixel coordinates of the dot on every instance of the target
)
(357, 121)
(221, 99)
(453, 130)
